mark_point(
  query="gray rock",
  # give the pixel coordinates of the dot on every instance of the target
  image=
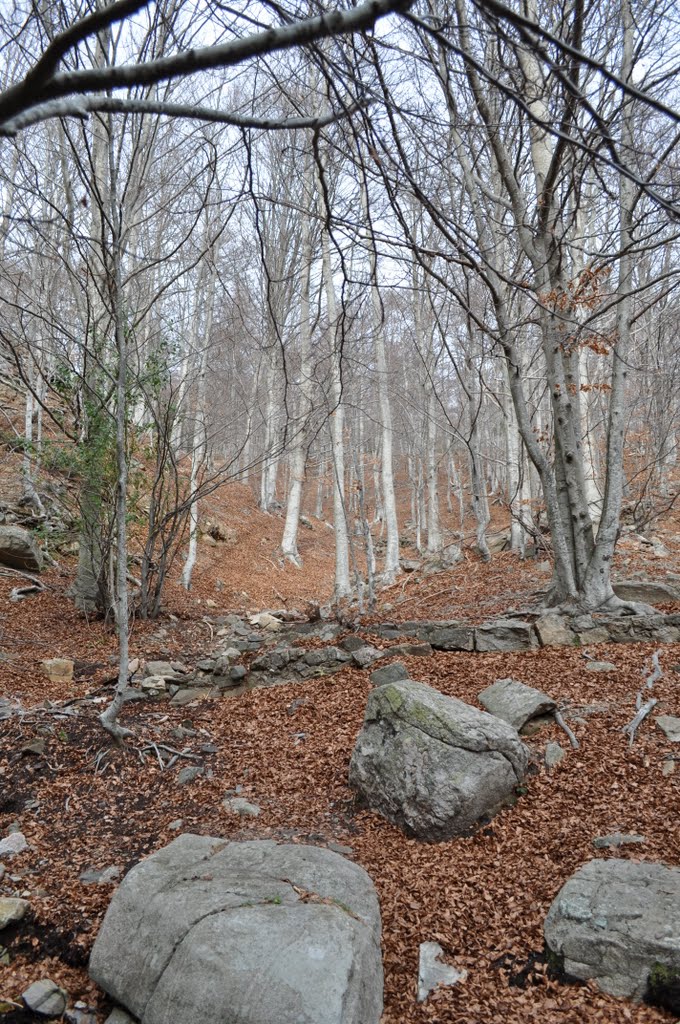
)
(600, 666)
(613, 920)
(326, 657)
(432, 972)
(656, 628)
(669, 725)
(253, 933)
(11, 910)
(187, 694)
(365, 656)
(188, 774)
(80, 1016)
(239, 805)
(617, 839)
(432, 764)
(176, 825)
(553, 631)
(12, 844)
(100, 876)
(45, 998)
(154, 684)
(346, 851)
(389, 674)
(646, 591)
(119, 1016)
(276, 660)
(497, 542)
(160, 668)
(206, 665)
(237, 673)
(448, 636)
(554, 753)
(515, 702)
(410, 650)
(352, 643)
(505, 635)
(19, 549)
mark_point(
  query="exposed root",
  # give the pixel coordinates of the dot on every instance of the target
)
(109, 723)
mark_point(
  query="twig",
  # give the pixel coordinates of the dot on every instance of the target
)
(208, 623)
(643, 709)
(630, 729)
(563, 725)
(179, 753)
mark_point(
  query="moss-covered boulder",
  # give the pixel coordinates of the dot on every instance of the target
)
(432, 764)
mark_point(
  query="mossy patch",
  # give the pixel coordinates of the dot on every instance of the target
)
(663, 988)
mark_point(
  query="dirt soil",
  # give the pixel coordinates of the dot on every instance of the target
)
(83, 803)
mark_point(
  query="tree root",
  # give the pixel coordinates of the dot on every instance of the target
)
(109, 723)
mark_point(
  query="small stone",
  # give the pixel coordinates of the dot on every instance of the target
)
(389, 674)
(37, 747)
(12, 844)
(11, 910)
(176, 825)
(80, 1015)
(45, 998)
(432, 972)
(365, 656)
(600, 666)
(667, 768)
(154, 684)
(133, 666)
(237, 673)
(266, 621)
(100, 876)
(669, 725)
(58, 670)
(554, 753)
(238, 805)
(617, 839)
(188, 774)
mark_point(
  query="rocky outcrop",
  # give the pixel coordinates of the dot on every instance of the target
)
(515, 702)
(210, 931)
(19, 549)
(432, 764)
(549, 629)
(614, 921)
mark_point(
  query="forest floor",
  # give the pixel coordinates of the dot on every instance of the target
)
(84, 804)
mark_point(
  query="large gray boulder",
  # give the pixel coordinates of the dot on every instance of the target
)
(515, 702)
(613, 921)
(432, 764)
(19, 549)
(646, 591)
(245, 933)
